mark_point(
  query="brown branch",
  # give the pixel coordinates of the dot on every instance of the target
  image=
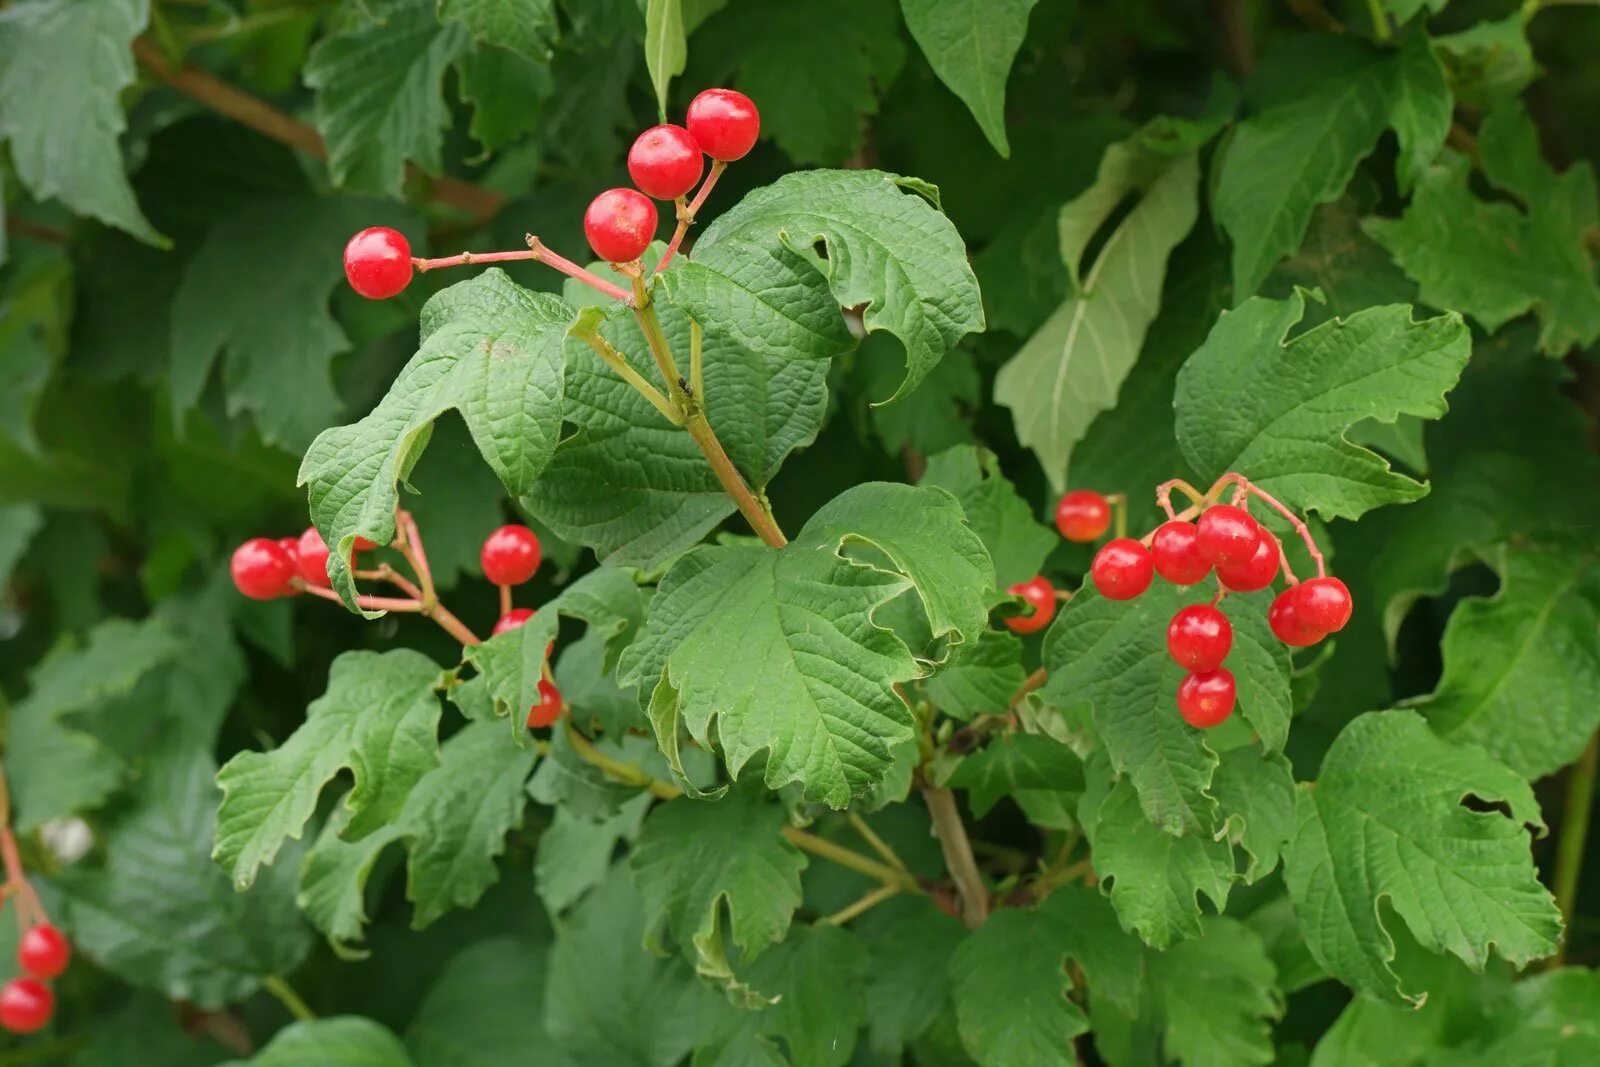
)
(958, 859)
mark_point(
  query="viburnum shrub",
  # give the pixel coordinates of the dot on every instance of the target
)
(841, 533)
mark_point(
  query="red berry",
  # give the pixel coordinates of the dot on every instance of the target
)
(665, 162)
(1040, 597)
(1285, 622)
(511, 620)
(1122, 569)
(262, 569)
(1199, 637)
(1083, 515)
(44, 951)
(1322, 604)
(724, 123)
(1206, 698)
(510, 555)
(377, 261)
(312, 558)
(363, 545)
(26, 1004)
(1255, 573)
(1226, 534)
(548, 710)
(620, 225)
(1176, 552)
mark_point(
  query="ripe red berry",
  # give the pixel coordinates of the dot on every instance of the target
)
(26, 1004)
(665, 162)
(1226, 534)
(1040, 596)
(1286, 624)
(311, 559)
(620, 225)
(724, 123)
(1083, 515)
(1322, 604)
(548, 710)
(1122, 569)
(377, 261)
(262, 569)
(1206, 698)
(511, 620)
(43, 951)
(363, 545)
(1199, 637)
(510, 555)
(1255, 573)
(1175, 550)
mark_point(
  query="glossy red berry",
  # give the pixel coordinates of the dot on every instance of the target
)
(1199, 637)
(361, 544)
(377, 261)
(262, 569)
(26, 1004)
(1255, 573)
(1083, 515)
(724, 123)
(511, 620)
(620, 225)
(1323, 604)
(311, 560)
(665, 162)
(1206, 698)
(1122, 569)
(1226, 534)
(510, 555)
(548, 710)
(1040, 596)
(1286, 624)
(43, 951)
(1175, 550)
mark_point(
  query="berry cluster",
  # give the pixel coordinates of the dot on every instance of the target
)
(26, 1003)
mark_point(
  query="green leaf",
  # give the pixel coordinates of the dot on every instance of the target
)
(377, 718)
(1016, 541)
(1420, 108)
(1550, 1018)
(971, 47)
(18, 525)
(908, 982)
(1489, 61)
(159, 914)
(146, 1023)
(1218, 997)
(380, 94)
(888, 248)
(36, 304)
(1286, 432)
(936, 416)
(1256, 797)
(491, 350)
(1072, 367)
(819, 977)
(979, 679)
(1385, 821)
(507, 90)
(341, 1041)
(524, 26)
(575, 851)
(666, 46)
(63, 67)
(482, 1010)
(1013, 764)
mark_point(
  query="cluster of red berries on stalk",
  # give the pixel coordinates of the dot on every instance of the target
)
(665, 162)
(1082, 516)
(26, 1003)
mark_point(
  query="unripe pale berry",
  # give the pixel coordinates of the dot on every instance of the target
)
(1040, 596)
(665, 162)
(1083, 515)
(1199, 637)
(1323, 604)
(510, 555)
(1122, 569)
(724, 123)
(262, 569)
(26, 1005)
(1255, 573)
(43, 951)
(1175, 551)
(1286, 624)
(1206, 698)
(620, 225)
(312, 558)
(377, 262)
(1227, 534)
(548, 710)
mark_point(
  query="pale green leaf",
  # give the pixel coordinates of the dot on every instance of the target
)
(1218, 997)
(1013, 764)
(1490, 60)
(971, 46)
(1017, 542)
(666, 46)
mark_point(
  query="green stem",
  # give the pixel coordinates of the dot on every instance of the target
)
(619, 363)
(286, 995)
(650, 325)
(1574, 836)
(1380, 21)
(867, 902)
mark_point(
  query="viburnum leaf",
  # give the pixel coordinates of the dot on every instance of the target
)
(908, 983)
(889, 249)
(340, 1041)
(483, 1008)
(818, 977)
(1016, 541)
(63, 66)
(1218, 996)
(490, 349)
(1550, 1018)
(979, 679)
(36, 303)
(18, 525)
(567, 781)
(378, 719)
(1489, 61)
(1010, 981)
(1286, 430)
(159, 913)
(936, 416)
(380, 93)
(666, 46)
(575, 851)
(1385, 821)
(1255, 795)
(507, 90)
(1072, 367)
(524, 26)
(971, 47)
(780, 650)
(1013, 764)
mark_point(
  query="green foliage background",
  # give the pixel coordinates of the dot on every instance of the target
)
(1344, 248)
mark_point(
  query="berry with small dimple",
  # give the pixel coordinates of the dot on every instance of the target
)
(510, 555)
(1285, 622)
(724, 123)
(1206, 698)
(26, 1005)
(43, 951)
(1176, 553)
(262, 569)
(511, 620)
(1040, 596)
(1083, 515)
(1226, 534)
(620, 225)
(548, 710)
(1255, 573)
(312, 558)
(1199, 637)
(377, 262)
(1122, 569)
(665, 162)
(1323, 604)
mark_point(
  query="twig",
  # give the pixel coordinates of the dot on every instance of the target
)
(952, 834)
(369, 603)
(849, 858)
(1574, 836)
(286, 995)
(619, 363)
(686, 214)
(867, 902)
(465, 259)
(545, 255)
(878, 844)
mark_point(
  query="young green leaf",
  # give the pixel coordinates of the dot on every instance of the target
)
(666, 46)
(980, 678)
(1014, 764)
(971, 46)
(1016, 541)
